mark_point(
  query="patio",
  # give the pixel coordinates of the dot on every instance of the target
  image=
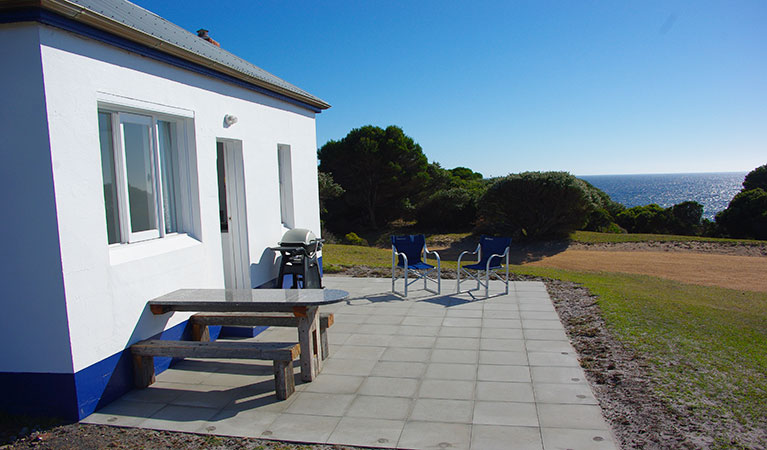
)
(424, 372)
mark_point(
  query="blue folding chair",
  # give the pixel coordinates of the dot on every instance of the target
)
(409, 253)
(490, 253)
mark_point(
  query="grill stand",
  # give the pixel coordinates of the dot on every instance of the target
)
(304, 268)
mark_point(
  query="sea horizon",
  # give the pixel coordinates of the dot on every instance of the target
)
(713, 190)
(744, 172)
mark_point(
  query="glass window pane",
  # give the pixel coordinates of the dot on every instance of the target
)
(284, 173)
(138, 165)
(108, 174)
(170, 178)
(223, 214)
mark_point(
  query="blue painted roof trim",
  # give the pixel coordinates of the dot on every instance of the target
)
(49, 18)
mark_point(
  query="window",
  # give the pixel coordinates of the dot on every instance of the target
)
(286, 185)
(146, 190)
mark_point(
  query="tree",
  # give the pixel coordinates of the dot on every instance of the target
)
(328, 188)
(757, 178)
(378, 168)
(686, 218)
(534, 205)
(746, 215)
(602, 209)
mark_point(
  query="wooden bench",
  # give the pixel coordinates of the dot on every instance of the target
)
(201, 321)
(282, 353)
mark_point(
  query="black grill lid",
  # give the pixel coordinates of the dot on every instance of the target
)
(298, 237)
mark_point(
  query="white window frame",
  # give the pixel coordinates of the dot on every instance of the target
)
(182, 143)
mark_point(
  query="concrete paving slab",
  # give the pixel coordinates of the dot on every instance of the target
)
(557, 438)
(446, 371)
(311, 403)
(576, 393)
(399, 369)
(396, 408)
(435, 435)
(447, 389)
(437, 410)
(505, 413)
(367, 432)
(240, 423)
(389, 387)
(301, 428)
(495, 437)
(451, 371)
(504, 358)
(505, 392)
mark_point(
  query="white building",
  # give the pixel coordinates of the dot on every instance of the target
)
(137, 158)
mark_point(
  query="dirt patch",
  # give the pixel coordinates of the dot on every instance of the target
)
(722, 248)
(746, 273)
(86, 437)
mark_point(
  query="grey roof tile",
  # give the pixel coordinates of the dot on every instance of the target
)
(151, 24)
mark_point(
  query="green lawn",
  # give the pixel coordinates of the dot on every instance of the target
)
(707, 346)
(592, 237)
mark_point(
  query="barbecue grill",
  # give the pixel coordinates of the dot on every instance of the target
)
(299, 248)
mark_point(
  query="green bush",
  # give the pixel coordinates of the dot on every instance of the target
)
(746, 215)
(353, 239)
(602, 209)
(449, 210)
(644, 219)
(683, 218)
(757, 178)
(534, 205)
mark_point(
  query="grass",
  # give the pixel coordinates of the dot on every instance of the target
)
(707, 346)
(592, 237)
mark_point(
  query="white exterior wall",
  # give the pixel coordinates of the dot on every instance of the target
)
(107, 288)
(33, 323)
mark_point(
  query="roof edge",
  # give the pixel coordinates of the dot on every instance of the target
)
(88, 17)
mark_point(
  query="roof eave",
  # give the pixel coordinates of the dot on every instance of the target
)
(88, 17)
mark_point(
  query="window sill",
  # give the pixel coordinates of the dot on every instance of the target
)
(123, 253)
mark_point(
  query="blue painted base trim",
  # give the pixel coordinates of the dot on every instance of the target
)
(76, 396)
(39, 394)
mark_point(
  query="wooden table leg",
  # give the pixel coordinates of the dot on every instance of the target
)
(311, 344)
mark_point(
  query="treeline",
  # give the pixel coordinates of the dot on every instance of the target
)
(375, 176)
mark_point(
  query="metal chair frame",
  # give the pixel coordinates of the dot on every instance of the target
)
(489, 271)
(425, 273)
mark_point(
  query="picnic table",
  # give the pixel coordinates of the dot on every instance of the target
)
(302, 303)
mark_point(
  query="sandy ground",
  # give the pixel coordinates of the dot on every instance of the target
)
(748, 273)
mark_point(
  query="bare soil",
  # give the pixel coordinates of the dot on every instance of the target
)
(745, 273)
(619, 377)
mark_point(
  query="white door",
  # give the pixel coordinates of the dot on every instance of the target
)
(232, 215)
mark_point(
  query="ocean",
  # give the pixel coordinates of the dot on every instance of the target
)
(712, 190)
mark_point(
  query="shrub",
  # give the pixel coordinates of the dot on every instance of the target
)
(534, 205)
(746, 215)
(686, 218)
(644, 219)
(682, 218)
(448, 210)
(757, 178)
(353, 239)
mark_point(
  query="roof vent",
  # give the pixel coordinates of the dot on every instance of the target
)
(203, 33)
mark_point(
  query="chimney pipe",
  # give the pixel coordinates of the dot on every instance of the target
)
(203, 34)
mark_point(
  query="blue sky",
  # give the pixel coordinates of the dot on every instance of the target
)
(501, 87)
